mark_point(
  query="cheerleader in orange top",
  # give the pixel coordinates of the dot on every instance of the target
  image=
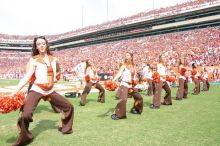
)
(205, 81)
(157, 89)
(31, 82)
(79, 72)
(183, 82)
(127, 72)
(43, 65)
(92, 79)
(161, 69)
(195, 77)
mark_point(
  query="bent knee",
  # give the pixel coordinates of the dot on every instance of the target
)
(70, 107)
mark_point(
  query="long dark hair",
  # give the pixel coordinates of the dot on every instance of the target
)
(132, 58)
(87, 64)
(194, 65)
(34, 46)
(161, 59)
(180, 62)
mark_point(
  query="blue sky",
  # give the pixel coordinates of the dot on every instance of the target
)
(41, 17)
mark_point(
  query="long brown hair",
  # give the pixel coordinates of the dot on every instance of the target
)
(34, 46)
(161, 59)
(179, 64)
(87, 64)
(132, 59)
(193, 65)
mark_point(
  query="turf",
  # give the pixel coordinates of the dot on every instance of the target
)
(193, 121)
(4, 82)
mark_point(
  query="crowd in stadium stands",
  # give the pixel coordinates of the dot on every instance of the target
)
(12, 64)
(156, 13)
(200, 45)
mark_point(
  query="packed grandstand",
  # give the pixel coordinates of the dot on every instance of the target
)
(190, 30)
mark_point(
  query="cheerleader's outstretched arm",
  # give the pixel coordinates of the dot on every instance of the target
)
(25, 79)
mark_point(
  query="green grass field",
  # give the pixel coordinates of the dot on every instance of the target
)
(194, 121)
(4, 82)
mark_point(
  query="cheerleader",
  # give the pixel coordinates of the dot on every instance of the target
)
(205, 81)
(162, 70)
(161, 84)
(195, 77)
(183, 82)
(92, 79)
(79, 71)
(127, 72)
(147, 77)
(43, 65)
(157, 89)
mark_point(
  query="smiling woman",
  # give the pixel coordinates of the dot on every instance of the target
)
(40, 46)
(42, 70)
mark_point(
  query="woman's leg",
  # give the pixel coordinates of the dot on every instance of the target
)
(185, 88)
(68, 111)
(120, 109)
(157, 95)
(55, 109)
(85, 93)
(101, 97)
(30, 105)
(117, 96)
(150, 88)
(208, 85)
(205, 86)
(138, 102)
(196, 88)
(167, 97)
(180, 91)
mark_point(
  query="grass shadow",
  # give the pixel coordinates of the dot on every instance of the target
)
(11, 140)
(92, 100)
(44, 125)
(147, 104)
(173, 98)
(110, 110)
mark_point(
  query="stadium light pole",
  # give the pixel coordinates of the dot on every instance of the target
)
(107, 10)
(82, 15)
(153, 7)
